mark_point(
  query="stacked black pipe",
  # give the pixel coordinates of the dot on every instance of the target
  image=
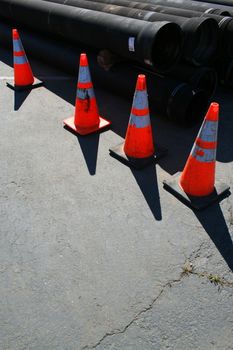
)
(218, 3)
(168, 97)
(135, 37)
(200, 34)
(156, 44)
(195, 36)
(197, 49)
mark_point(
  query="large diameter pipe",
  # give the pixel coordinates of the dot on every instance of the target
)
(184, 4)
(159, 6)
(220, 9)
(146, 6)
(219, 2)
(225, 44)
(201, 35)
(225, 23)
(173, 99)
(181, 12)
(156, 44)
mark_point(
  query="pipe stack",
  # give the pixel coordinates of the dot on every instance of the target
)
(177, 45)
(168, 97)
(201, 46)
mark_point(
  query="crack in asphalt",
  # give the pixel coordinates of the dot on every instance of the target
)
(169, 284)
(146, 309)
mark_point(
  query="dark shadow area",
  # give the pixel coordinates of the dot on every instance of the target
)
(178, 140)
(147, 182)
(20, 97)
(225, 131)
(214, 223)
(116, 108)
(64, 88)
(7, 57)
(89, 146)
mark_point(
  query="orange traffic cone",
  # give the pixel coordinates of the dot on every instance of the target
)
(86, 119)
(196, 185)
(138, 149)
(23, 77)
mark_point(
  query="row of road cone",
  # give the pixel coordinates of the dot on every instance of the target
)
(196, 186)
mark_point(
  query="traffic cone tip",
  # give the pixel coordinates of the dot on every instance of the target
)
(15, 34)
(141, 82)
(83, 60)
(213, 112)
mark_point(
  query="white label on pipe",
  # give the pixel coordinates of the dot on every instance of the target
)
(131, 44)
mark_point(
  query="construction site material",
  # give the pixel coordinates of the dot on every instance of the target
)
(204, 7)
(181, 11)
(226, 7)
(225, 23)
(191, 5)
(138, 149)
(219, 2)
(23, 76)
(200, 35)
(174, 99)
(155, 44)
(196, 185)
(86, 119)
(200, 38)
(146, 5)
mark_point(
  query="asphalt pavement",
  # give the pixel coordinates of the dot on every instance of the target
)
(94, 255)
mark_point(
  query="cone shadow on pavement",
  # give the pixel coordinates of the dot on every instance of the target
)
(148, 184)
(19, 98)
(89, 147)
(215, 225)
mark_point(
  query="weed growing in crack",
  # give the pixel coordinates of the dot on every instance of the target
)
(215, 279)
(188, 269)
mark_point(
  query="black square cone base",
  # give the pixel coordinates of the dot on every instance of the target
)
(136, 163)
(198, 203)
(37, 83)
(69, 124)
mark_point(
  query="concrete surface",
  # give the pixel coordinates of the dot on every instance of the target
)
(94, 255)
